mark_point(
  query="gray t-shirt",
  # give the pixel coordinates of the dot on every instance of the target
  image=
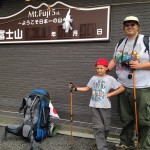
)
(124, 52)
(100, 87)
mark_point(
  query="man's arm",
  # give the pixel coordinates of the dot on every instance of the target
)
(112, 64)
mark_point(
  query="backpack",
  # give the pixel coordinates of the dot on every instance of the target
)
(36, 115)
(36, 125)
(145, 41)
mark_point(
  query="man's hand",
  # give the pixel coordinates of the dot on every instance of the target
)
(135, 65)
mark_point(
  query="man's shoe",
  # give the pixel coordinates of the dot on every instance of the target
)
(124, 147)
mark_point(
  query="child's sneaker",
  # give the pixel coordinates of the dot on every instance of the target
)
(94, 147)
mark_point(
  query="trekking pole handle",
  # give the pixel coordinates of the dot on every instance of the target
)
(72, 87)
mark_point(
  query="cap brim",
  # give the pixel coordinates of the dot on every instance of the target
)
(130, 21)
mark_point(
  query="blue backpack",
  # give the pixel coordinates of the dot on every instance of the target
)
(43, 121)
(36, 115)
(36, 125)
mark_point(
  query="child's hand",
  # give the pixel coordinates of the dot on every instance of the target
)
(72, 86)
(108, 95)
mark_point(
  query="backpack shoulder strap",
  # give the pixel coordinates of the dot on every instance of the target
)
(146, 42)
(120, 41)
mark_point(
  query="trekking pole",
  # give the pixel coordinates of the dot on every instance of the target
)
(135, 111)
(71, 116)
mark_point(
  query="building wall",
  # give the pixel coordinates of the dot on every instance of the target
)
(52, 66)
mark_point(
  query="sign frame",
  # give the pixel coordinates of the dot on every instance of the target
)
(62, 6)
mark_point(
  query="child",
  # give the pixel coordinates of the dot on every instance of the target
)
(101, 84)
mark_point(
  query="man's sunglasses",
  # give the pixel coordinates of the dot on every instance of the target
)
(130, 24)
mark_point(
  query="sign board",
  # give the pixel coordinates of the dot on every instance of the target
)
(56, 23)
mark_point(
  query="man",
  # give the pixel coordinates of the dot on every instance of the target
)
(131, 56)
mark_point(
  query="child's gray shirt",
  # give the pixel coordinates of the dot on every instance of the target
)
(100, 87)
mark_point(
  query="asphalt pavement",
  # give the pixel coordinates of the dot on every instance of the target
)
(58, 142)
(82, 136)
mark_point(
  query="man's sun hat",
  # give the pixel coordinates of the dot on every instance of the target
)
(131, 18)
(101, 61)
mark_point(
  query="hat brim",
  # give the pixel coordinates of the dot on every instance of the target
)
(127, 21)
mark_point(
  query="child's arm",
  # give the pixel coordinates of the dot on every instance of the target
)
(83, 89)
(117, 91)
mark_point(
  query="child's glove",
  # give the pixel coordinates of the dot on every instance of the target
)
(72, 86)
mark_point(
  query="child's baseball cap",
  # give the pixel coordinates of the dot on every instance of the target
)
(101, 61)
